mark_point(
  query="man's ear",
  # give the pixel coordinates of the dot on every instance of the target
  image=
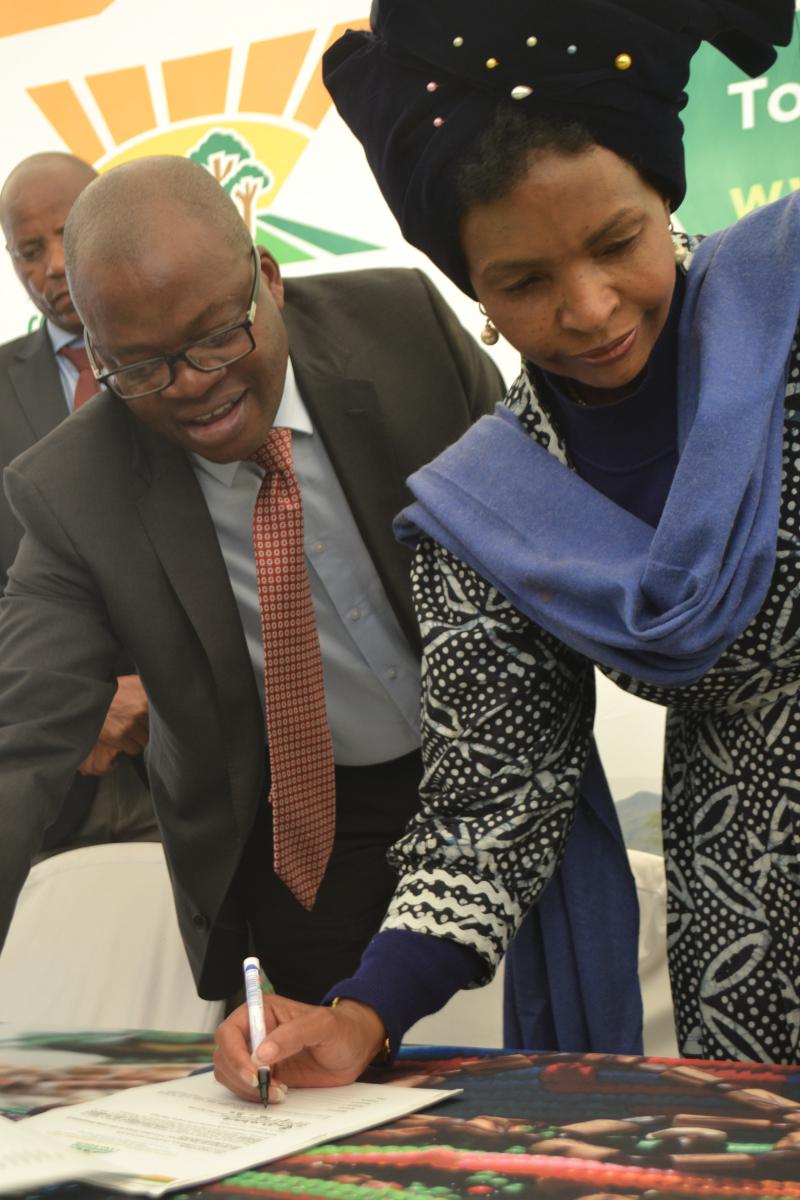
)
(271, 275)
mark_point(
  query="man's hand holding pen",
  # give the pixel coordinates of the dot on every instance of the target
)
(305, 1046)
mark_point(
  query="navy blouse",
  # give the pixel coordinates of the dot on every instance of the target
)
(626, 450)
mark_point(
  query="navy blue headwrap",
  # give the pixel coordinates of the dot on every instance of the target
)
(419, 89)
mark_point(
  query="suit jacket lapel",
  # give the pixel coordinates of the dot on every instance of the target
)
(34, 375)
(347, 415)
(182, 533)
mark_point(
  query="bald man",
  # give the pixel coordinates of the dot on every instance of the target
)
(39, 383)
(138, 516)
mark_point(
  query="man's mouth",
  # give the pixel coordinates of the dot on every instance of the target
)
(216, 414)
(61, 300)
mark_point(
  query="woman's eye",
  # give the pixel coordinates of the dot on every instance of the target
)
(619, 247)
(523, 284)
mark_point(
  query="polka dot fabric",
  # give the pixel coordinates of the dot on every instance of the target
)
(303, 790)
(507, 712)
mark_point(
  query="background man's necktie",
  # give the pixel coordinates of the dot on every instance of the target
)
(303, 788)
(87, 385)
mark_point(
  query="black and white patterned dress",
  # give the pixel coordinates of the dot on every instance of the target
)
(507, 718)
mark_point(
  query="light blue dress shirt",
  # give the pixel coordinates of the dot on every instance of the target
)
(67, 371)
(371, 674)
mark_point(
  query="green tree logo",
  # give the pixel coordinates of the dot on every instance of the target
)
(235, 167)
(247, 186)
(227, 156)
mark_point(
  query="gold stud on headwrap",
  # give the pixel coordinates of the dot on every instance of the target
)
(491, 63)
(489, 335)
(624, 82)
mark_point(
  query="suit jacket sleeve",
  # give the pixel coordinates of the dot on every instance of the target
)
(52, 617)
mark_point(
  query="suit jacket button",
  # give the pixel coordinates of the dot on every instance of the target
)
(200, 922)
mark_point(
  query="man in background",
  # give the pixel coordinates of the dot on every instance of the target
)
(44, 376)
(160, 520)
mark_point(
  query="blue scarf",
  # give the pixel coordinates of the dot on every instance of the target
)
(572, 978)
(660, 605)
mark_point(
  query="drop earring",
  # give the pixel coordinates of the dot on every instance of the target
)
(489, 335)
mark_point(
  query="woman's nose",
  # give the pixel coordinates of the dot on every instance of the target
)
(588, 301)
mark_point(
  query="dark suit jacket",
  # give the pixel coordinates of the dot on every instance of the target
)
(31, 404)
(120, 552)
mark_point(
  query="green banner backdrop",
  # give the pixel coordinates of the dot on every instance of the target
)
(742, 138)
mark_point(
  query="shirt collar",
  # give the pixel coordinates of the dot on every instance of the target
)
(292, 414)
(61, 337)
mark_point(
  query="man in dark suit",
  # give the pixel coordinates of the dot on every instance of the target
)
(137, 515)
(40, 385)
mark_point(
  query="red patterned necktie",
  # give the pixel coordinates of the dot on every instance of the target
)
(86, 386)
(303, 788)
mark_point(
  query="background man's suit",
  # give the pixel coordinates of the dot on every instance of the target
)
(32, 403)
(121, 553)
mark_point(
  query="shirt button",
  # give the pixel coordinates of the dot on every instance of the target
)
(392, 673)
(354, 614)
(200, 922)
(318, 547)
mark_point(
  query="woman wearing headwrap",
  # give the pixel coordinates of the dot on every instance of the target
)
(634, 505)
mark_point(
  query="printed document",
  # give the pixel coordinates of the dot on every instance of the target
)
(168, 1136)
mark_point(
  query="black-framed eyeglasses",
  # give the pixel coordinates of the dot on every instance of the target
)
(211, 353)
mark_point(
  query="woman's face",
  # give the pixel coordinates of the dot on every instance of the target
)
(575, 267)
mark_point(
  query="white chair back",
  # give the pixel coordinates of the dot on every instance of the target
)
(94, 943)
